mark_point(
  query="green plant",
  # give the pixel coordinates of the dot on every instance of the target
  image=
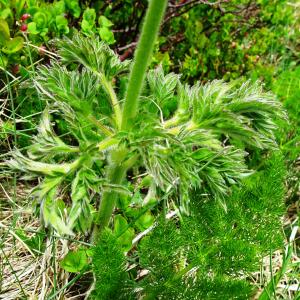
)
(41, 21)
(231, 39)
(287, 87)
(201, 118)
(88, 26)
(9, 46)
(169, 146)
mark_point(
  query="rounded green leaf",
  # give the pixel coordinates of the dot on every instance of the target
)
(126, 238)
(5, 13)
(124, 234)
(14, 45)
(40, 19)
(106, 35)
(145, 221)
(74, 261)
(4, 31)
(104, 22)
(74, 7)
(90, 16)
(62, 24)
(31, 27)
(120, 225)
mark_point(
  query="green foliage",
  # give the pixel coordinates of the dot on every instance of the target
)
(230, 39)
(198, 142)
(44, 21)
(75, 261)
(287, 87)
(210, 253)
(124, 233)
(88, 21)
(104, 30)
(89, 26)
(8, 46)
(92, 54)
(109, 265)
(35, 243)
(170, 146)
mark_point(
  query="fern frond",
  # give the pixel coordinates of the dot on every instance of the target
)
(26, 165)
(94, 54)
(46, 142)
(245, 114)
(112, 281)
(78, 89)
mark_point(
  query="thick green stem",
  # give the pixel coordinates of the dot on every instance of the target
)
(142, 58)
(115, 176)
(109, 198)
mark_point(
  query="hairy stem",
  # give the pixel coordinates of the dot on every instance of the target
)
(114, 100)
(142, 58)
(106, 131)
(109, 198)
(106, 143)
(115, 176)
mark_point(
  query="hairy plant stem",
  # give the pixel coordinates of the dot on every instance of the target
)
(108, 87)
(103, 128)
(106, 143)
(109, 198)
(113, 98)
(115, 175)
(142, 58)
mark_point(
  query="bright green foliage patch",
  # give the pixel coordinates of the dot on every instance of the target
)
(74, 261)
(109, 265)
(209, 254)
(230, 40)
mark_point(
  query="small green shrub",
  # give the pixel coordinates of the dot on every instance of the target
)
(230, 40)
